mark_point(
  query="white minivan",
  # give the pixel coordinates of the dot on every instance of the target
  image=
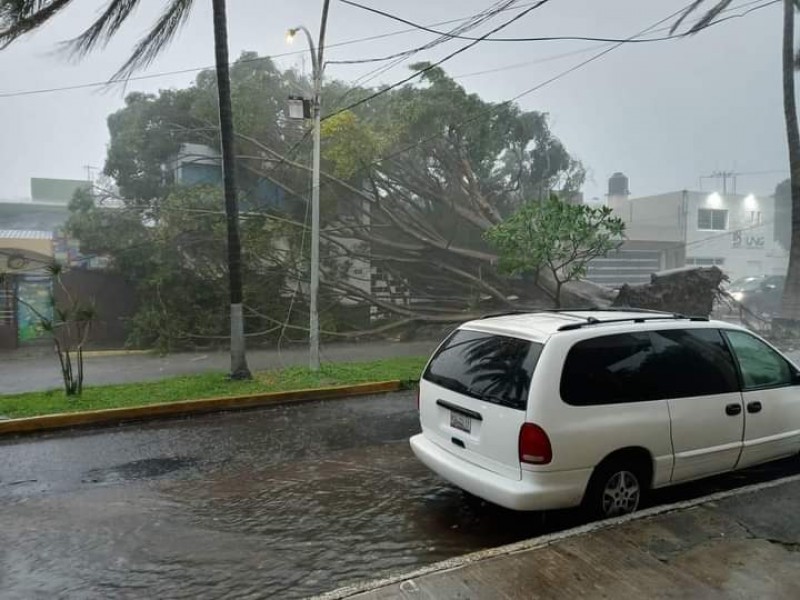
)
(558, 409)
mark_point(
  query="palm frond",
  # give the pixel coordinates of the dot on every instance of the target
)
(157, 39)
(710, 16)
(104, 27)
(18, 17)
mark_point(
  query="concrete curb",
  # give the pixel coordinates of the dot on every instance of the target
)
(112, 353)
(114, 416)
(541, 541)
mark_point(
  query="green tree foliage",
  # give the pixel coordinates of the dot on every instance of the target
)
(456, 166)
(418, 217)
(559, 237)
(177, 260)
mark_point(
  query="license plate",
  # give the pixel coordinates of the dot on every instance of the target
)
(459, 421)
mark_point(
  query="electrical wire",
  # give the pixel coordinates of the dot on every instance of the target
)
(455, 33)
(106, 83)
(539, 86)
(397, 58)
(431, 66)
(380, 70)
(523, 39)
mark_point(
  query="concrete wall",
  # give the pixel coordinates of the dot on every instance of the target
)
(747, 247)
(654, 218)
(114, 300)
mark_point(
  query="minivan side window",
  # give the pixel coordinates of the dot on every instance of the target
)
(692, 362)
(492, 368)
(609, 369)
(761, 366)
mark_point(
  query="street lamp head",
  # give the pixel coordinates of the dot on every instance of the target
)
(290, 34)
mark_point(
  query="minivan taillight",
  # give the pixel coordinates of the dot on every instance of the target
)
(534, 445)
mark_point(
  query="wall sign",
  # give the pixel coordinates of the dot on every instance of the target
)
(749, 242)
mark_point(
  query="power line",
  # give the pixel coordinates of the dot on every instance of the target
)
(416, 74)
(521, 39)
(397, 58)
(553, 79)
(455, 33)
(527, 63)
(106, 83)
(380, 70)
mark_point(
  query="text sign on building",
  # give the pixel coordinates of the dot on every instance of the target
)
(751, 242)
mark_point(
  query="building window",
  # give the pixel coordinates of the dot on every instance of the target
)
(711, 219)
(755, 217)
(705, 262)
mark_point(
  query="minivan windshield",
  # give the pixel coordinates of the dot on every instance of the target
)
(489, 367)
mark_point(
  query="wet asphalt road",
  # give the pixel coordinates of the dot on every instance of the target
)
(273, 503)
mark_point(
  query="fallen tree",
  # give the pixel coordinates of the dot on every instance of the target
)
(411, 182)
(690, 291)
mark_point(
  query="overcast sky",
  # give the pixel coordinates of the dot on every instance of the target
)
(665, 113)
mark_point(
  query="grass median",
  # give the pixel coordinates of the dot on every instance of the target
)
(209, 385)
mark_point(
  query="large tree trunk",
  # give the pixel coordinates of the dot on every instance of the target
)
(791, 294)
(239, 368)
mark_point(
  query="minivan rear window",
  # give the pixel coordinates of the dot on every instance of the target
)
(492, 368)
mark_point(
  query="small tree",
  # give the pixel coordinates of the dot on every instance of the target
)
(559, 237)
(68, 327)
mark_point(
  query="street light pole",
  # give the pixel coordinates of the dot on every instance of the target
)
(318, 66)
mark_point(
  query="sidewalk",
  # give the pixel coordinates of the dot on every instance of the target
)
(740, 544)
(26, 373)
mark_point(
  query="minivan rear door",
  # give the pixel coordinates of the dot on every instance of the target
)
(474, 394)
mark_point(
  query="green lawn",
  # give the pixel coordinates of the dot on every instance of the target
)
(209, 385)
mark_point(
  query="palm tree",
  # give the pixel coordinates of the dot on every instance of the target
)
(790, 62)
(18, 17)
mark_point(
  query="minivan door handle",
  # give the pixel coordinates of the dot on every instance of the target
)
(733, 409)
(754, 407)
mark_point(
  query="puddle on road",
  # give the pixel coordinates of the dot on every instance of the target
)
(326, 523)
(287, 530)
(139, 470)
(279, 531)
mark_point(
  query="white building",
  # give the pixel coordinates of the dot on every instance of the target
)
(732, 231)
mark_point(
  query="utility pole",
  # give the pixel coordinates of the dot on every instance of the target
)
(318, 65)
(89, 169)
(724, 175)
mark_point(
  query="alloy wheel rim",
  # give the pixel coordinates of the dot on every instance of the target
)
(621, 494)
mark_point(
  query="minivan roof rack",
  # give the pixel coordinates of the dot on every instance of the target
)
(522, 311)
(654, 316)
(530, 311)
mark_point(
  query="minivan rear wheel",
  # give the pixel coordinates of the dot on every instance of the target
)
(615, 489)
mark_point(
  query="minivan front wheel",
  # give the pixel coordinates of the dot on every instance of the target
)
(614, 490)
